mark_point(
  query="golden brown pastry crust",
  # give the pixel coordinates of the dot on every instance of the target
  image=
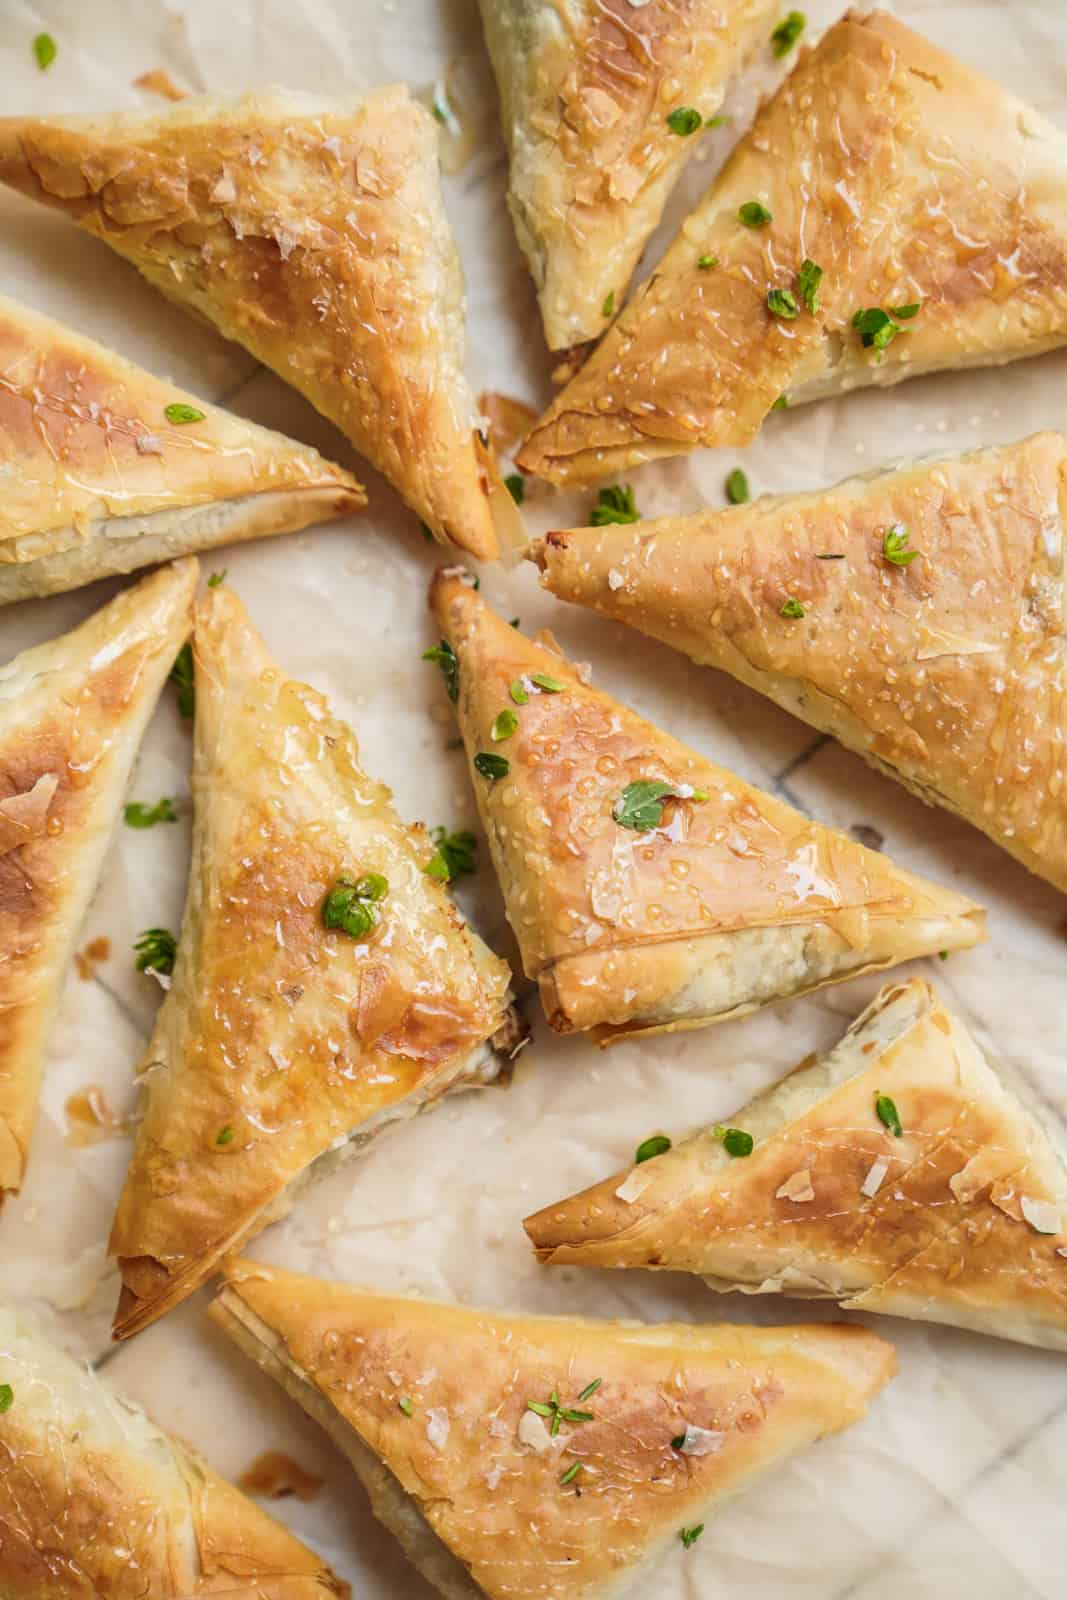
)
(96, 1501)
(908, 179)
(72, 713)
(291, 1036)
(496, 1501)
(586, 87)
(619, 927)
(314, 233)
(97, 480)
(949, 1233)
(946, 673)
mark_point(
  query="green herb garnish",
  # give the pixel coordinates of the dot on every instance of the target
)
(518, 692)
(181, 675)
(737, 488)
(156, 949)
(791, 608)
(782, 303)
(138, 815)
(615, 504)
(7, 1397)
(406, 1406)
(781, 404)
(754, 214)
(556, 1414)
(608, 307)
(684, 120)
(504, 725)
(515, 484)
(454, 856)
(44, 50)
(427, 531)
(547, 683)
(787, 33)
(445, 657)
(735, 1141)
(352, 905)
(808, 280)
(905, 313)
(704, 262)
(895, 546)
(571, 1473)
(590, 1388)
(689, 1536)
(490, 766)
(640, 806)
(877, 328)
(888, 1113)
(656, 1145)
(217, 578)
(180, 414)
(830, 555)
(225, 1135)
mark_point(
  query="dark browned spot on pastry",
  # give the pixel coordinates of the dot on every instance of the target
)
(86, 960)
(274, 1475)
(90, 1119)
(866, 835)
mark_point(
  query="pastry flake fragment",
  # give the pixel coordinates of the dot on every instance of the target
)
(96, 1500)
(961, 1220)
(324, 987)
(313, 232)
(649, 888)
(947, 673)
(580, 1511)
(602, 107)
(933, 203)
(72, 714)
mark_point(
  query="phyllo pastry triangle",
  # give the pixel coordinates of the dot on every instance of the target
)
(602, 107)
(929, 630)
(106, 468)
(901, 1173)
(313, 232)
(518, 1457)
(96, 1500)
(648, 888)
(889, 213)
(325, 986)
(72, 714)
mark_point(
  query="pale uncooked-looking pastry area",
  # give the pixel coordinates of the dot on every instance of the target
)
(953, 1484)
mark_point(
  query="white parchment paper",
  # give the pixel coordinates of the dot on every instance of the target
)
(955, 1484)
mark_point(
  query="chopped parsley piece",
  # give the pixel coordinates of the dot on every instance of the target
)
(7, 1397)
(640, 806)
(787, 33)
(678, 1441)
(657, 1145)
(704, 262)
(684, 120)
(454, 856)
(225, 1135)
(156, 949)
(406, 1406)
(608, 308)
(44, 51)
(717, 122)
(352, 906)
(781, 404)
(514, 622)
(888, 1114)
(876, 327)
(217, 578)
(737, 488)
(782, 303)
(615, 504)
(895, 546)
(689, 1536)
(490, 766)
(445, 657)
(555, 1413)
(546, 683)
(754, 214)
(942, 955)
(808, 280)
(791, 608)
(515, 484)
(590, 1388)
(138, 815)
(180, 414)
(830, 555)
(181, 675)
(504, 725)
(571, 1473)
(905, 313)
(518, 692)
(735, 1141)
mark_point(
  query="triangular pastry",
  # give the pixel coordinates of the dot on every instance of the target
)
(313, 232)
(96, 1500)
(934, 202)
(648, 888)
(324, 985)
(901, 1173)
(940, 662)
(72, 714)
(98, 479)
(524, 1456)
(601, 107)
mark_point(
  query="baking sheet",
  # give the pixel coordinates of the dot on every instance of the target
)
(956, 1482)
